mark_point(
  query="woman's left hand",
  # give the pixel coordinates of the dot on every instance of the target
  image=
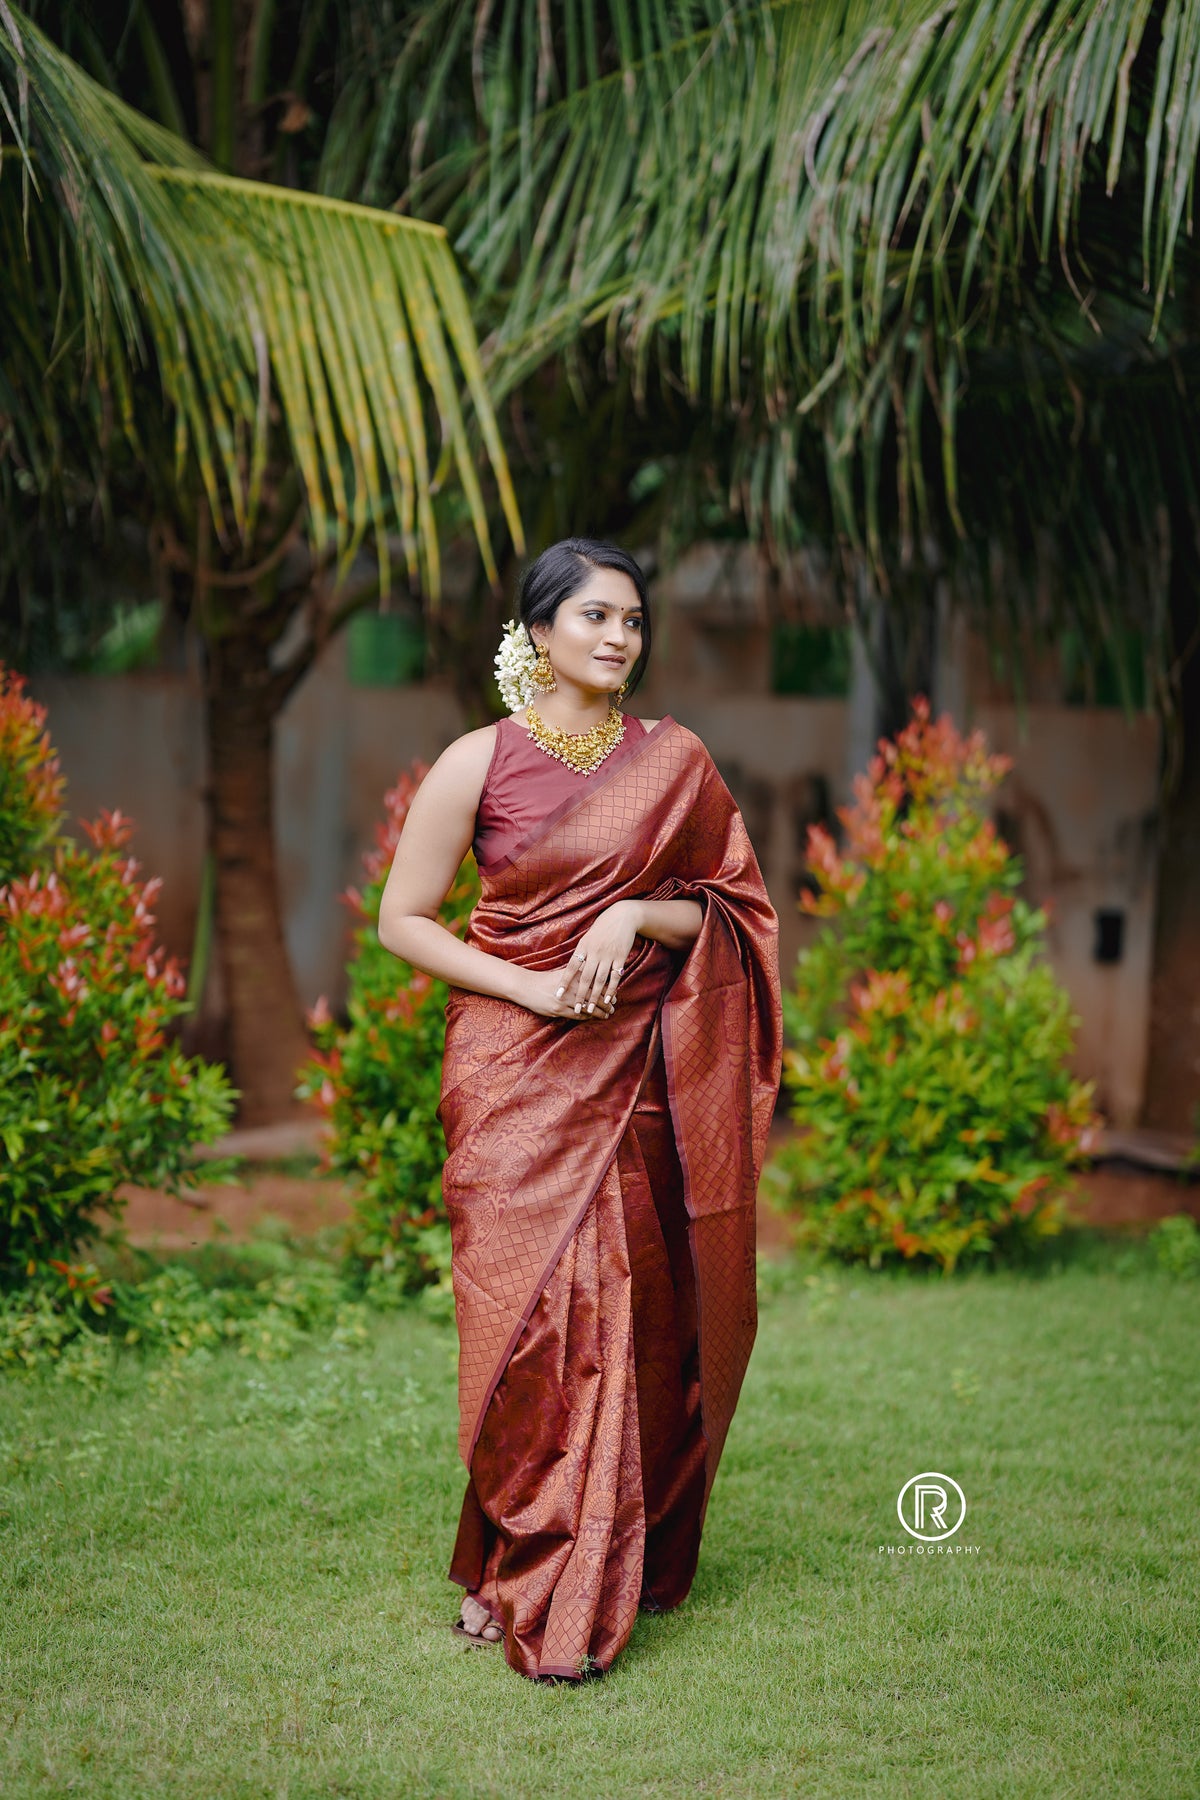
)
(596, 964)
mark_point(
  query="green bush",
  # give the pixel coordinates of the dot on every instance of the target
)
(92, 1092)
(1176, 1243)
(378, 1081)
(929, 1040)
(58, 1319)
(69, 1318)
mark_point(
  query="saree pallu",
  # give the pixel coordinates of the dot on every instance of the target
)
(600, 1182)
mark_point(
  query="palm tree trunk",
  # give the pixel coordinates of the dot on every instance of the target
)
(1173, 1067)
(266, 1037)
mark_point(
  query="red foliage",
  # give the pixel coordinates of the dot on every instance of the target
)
(27, 759)
(378, 861)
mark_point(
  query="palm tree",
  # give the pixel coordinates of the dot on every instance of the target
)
(305, 355)
(925, 272)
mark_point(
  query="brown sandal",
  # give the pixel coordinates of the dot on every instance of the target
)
(477, 1637)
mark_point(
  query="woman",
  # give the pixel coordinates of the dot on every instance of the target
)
(613, 1047)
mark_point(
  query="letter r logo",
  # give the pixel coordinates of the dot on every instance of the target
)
(925, 1504)
(931, 1503)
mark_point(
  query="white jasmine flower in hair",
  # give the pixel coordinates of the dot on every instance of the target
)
(515, 661)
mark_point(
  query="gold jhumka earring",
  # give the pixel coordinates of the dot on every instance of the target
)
(543, 673)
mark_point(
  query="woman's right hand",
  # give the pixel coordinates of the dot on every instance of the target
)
(537, 989)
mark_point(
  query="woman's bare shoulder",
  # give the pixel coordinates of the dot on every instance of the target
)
(461, 770)
(471, 745)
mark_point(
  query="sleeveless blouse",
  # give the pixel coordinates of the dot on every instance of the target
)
(523, 785)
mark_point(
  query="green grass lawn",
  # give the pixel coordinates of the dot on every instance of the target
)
(234, 1585)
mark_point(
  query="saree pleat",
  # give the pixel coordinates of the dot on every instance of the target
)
(600, 1183)
(667, 1355)
(588, 1475)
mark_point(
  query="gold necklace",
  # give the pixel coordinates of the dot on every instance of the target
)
(582, 751)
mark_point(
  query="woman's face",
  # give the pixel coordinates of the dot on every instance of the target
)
(596, 637)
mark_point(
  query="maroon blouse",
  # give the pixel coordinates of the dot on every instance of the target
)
(523, 784)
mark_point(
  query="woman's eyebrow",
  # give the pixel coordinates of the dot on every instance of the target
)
(611, 606)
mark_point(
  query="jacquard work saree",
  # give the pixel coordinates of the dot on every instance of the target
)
(600, 1182)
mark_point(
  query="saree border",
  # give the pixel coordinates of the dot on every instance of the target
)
(568, 1233)
(681, 1151)
(572, 801)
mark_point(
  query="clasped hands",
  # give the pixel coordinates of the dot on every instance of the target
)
(586, 986)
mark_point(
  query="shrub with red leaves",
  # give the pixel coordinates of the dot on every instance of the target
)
(92, 1091)
(930, 1040)
(31, 784)
(378, 1079)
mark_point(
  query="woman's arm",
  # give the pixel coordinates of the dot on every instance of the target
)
(675, 923)
(437, 835)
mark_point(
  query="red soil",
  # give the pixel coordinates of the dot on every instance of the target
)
(1110, 1196)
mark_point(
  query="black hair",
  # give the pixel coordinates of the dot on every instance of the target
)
(563, 568)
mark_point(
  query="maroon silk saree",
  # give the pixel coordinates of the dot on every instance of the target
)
(600, 1181)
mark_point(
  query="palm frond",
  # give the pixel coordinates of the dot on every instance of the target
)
(841, 153)
(889, 242)
(351, 321)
